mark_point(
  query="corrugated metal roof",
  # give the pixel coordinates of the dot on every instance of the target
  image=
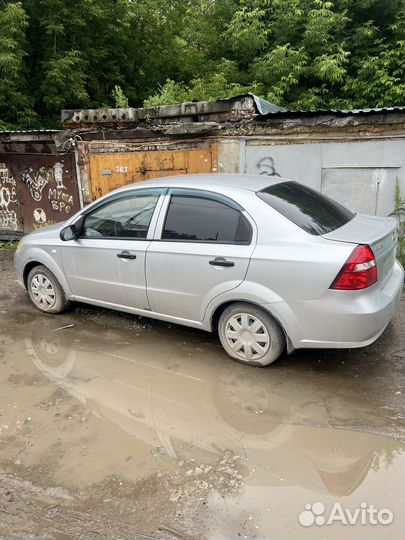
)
(374, 109)
(266, 107)
(341, 112)
(262, 106)
(30, 131)
(28, 135)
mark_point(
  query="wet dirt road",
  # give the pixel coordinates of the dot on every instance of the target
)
(122, 427)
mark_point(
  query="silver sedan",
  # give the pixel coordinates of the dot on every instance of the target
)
(268, 263)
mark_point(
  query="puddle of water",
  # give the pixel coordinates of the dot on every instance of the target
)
(116, 401)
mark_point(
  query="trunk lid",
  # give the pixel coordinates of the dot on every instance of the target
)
(378, 233)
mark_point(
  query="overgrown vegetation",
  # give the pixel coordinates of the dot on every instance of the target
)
(58, 54)
(7, 245)
(399, 213)
(120, 99)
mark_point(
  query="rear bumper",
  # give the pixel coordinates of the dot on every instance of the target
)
(341, 319)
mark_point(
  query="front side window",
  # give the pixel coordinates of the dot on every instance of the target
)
(127, 217)
(202, 219)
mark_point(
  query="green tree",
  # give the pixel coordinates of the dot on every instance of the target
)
(15, 105)
(80, 50)
(298, 53)
(305, 54)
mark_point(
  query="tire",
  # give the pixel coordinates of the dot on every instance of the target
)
(45, 291)
(250, 335)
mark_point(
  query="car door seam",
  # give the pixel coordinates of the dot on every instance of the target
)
(247, 269)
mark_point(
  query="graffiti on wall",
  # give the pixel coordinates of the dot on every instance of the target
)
(60, 199)
(58, 174)
(8, 200)
(266, 167)
(34, 196)
(41, 219)
(36, 180)
(52, 177)
(40, 216)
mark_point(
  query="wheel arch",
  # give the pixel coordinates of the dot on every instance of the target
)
(39, 257)
(215, 316)
(27, 269)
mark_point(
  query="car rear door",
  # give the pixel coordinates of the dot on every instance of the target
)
(202, 248)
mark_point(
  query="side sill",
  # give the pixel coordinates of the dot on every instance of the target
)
(142, 312)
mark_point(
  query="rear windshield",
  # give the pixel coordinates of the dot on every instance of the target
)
(310, 210)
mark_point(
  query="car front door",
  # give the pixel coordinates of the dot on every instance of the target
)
(202, 248)
(106, 264)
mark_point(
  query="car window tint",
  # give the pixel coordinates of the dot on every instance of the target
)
(199, 219)
(122, 218)
(307, 208)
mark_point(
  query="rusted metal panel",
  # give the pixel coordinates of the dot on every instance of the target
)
(108, 171)
(35, 190)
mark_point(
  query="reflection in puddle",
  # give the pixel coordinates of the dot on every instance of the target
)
(151, 402)
(245, 438)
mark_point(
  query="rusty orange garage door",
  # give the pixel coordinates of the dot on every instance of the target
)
(109, 171)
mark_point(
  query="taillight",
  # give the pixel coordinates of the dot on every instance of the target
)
(358, 272)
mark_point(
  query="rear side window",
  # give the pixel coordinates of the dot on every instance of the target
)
(200, 219)
(313, 212)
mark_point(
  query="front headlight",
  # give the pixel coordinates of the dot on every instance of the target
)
(19, 246)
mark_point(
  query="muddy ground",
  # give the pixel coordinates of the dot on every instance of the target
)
(114, 426)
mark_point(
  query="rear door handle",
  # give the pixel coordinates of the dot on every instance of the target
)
(126, 255)
(220, 261)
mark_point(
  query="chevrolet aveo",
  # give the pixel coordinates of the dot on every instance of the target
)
(267, 262)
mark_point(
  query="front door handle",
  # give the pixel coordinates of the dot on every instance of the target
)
(220, 261)
(126, 255)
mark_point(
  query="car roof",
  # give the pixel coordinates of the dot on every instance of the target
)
(250, 182)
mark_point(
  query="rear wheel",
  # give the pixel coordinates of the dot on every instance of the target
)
(45, 291)
(250, 334)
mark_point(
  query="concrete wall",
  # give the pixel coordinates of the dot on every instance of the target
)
(359, 174)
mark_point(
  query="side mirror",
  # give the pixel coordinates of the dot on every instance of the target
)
(68, 233)
(71, 232)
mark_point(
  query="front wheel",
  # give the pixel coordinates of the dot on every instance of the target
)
(250, 335)
(45, 291)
